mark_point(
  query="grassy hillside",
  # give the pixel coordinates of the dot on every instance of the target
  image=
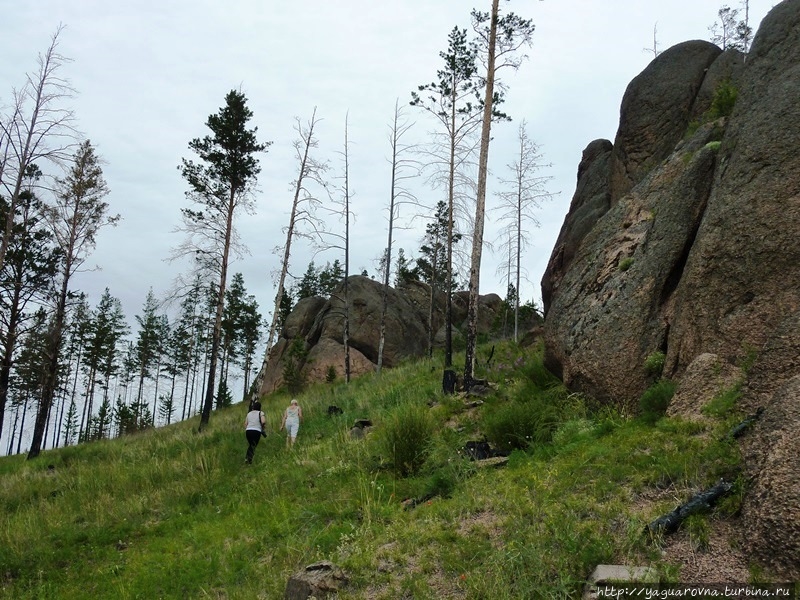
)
(171, 513)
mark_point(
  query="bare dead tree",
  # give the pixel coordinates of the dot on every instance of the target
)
(328, 239)
(455, 103)
(403, 168)
(502, 39)
(654, 50)
(305, 202)
(36, 127)
(523, 193)
(346, 201)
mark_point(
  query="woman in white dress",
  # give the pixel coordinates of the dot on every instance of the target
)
(292, 417)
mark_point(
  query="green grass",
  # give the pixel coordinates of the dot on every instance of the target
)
(172, 513)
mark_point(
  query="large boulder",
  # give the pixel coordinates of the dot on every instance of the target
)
(772, 509)
(741, 277)
(318, 324)
(707, 377)
(591, 201)
(406, 331)
(697, 256)
(612, 305)
(656, 110)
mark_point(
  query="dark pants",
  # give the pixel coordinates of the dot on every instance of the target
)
(253, 437)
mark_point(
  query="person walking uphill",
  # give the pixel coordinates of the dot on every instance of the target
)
(292, 417)
(253, 429)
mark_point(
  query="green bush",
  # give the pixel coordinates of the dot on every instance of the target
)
(521, 424)
(404, 438)
(654, 363)
(536, 373)
(625, 263)
(655, 400)
(723, 101)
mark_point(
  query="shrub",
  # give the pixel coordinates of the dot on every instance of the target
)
(520, 424)
(723, 101)
(404, 439)
(654, 363)
(655, 400)
(537, 374)
(625, 263)
(721, 405)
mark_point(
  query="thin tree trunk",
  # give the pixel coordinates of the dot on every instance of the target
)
(519, 258)
(480, 207)
(13, 432)
(215, 337)
(155, 394)
(286, 253)
(86, 413)
(346, 332)
(388, 256)
(51, 375)
(22, 425)
(448, 332)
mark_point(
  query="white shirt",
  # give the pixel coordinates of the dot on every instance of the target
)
(254, 420)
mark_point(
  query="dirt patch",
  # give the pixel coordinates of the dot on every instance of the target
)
(721, 561)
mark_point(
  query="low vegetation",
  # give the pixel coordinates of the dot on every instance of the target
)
(170, 513)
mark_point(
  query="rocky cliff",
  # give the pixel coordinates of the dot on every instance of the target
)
(682, 237)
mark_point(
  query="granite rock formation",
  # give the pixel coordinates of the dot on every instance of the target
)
(683, 240)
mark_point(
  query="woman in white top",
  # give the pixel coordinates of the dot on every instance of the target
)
(253, 429)
(292, 417)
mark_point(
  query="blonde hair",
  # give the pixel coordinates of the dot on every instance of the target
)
(293, 401)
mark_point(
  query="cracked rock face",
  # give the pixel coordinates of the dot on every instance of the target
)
(686, 242)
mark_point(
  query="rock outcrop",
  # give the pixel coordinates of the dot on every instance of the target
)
(656, 110)
(684, 241)
(319, 324)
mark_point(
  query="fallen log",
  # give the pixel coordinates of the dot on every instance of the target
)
(700, 502)
(739, 430)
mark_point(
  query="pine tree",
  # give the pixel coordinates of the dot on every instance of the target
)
(30, 367)
(309, 284)
(105, 330)
(221, 184)
(25, 279)
(71, 425)
(330, 277)
(148, 347)
(76, 217)
(454, 100)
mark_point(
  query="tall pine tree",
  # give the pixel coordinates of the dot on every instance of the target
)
(221, 184)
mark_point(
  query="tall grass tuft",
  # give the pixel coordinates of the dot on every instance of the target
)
(520, 424)
(404, 438)
(655, 400)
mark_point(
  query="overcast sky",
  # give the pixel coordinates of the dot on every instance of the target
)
(149, 72)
